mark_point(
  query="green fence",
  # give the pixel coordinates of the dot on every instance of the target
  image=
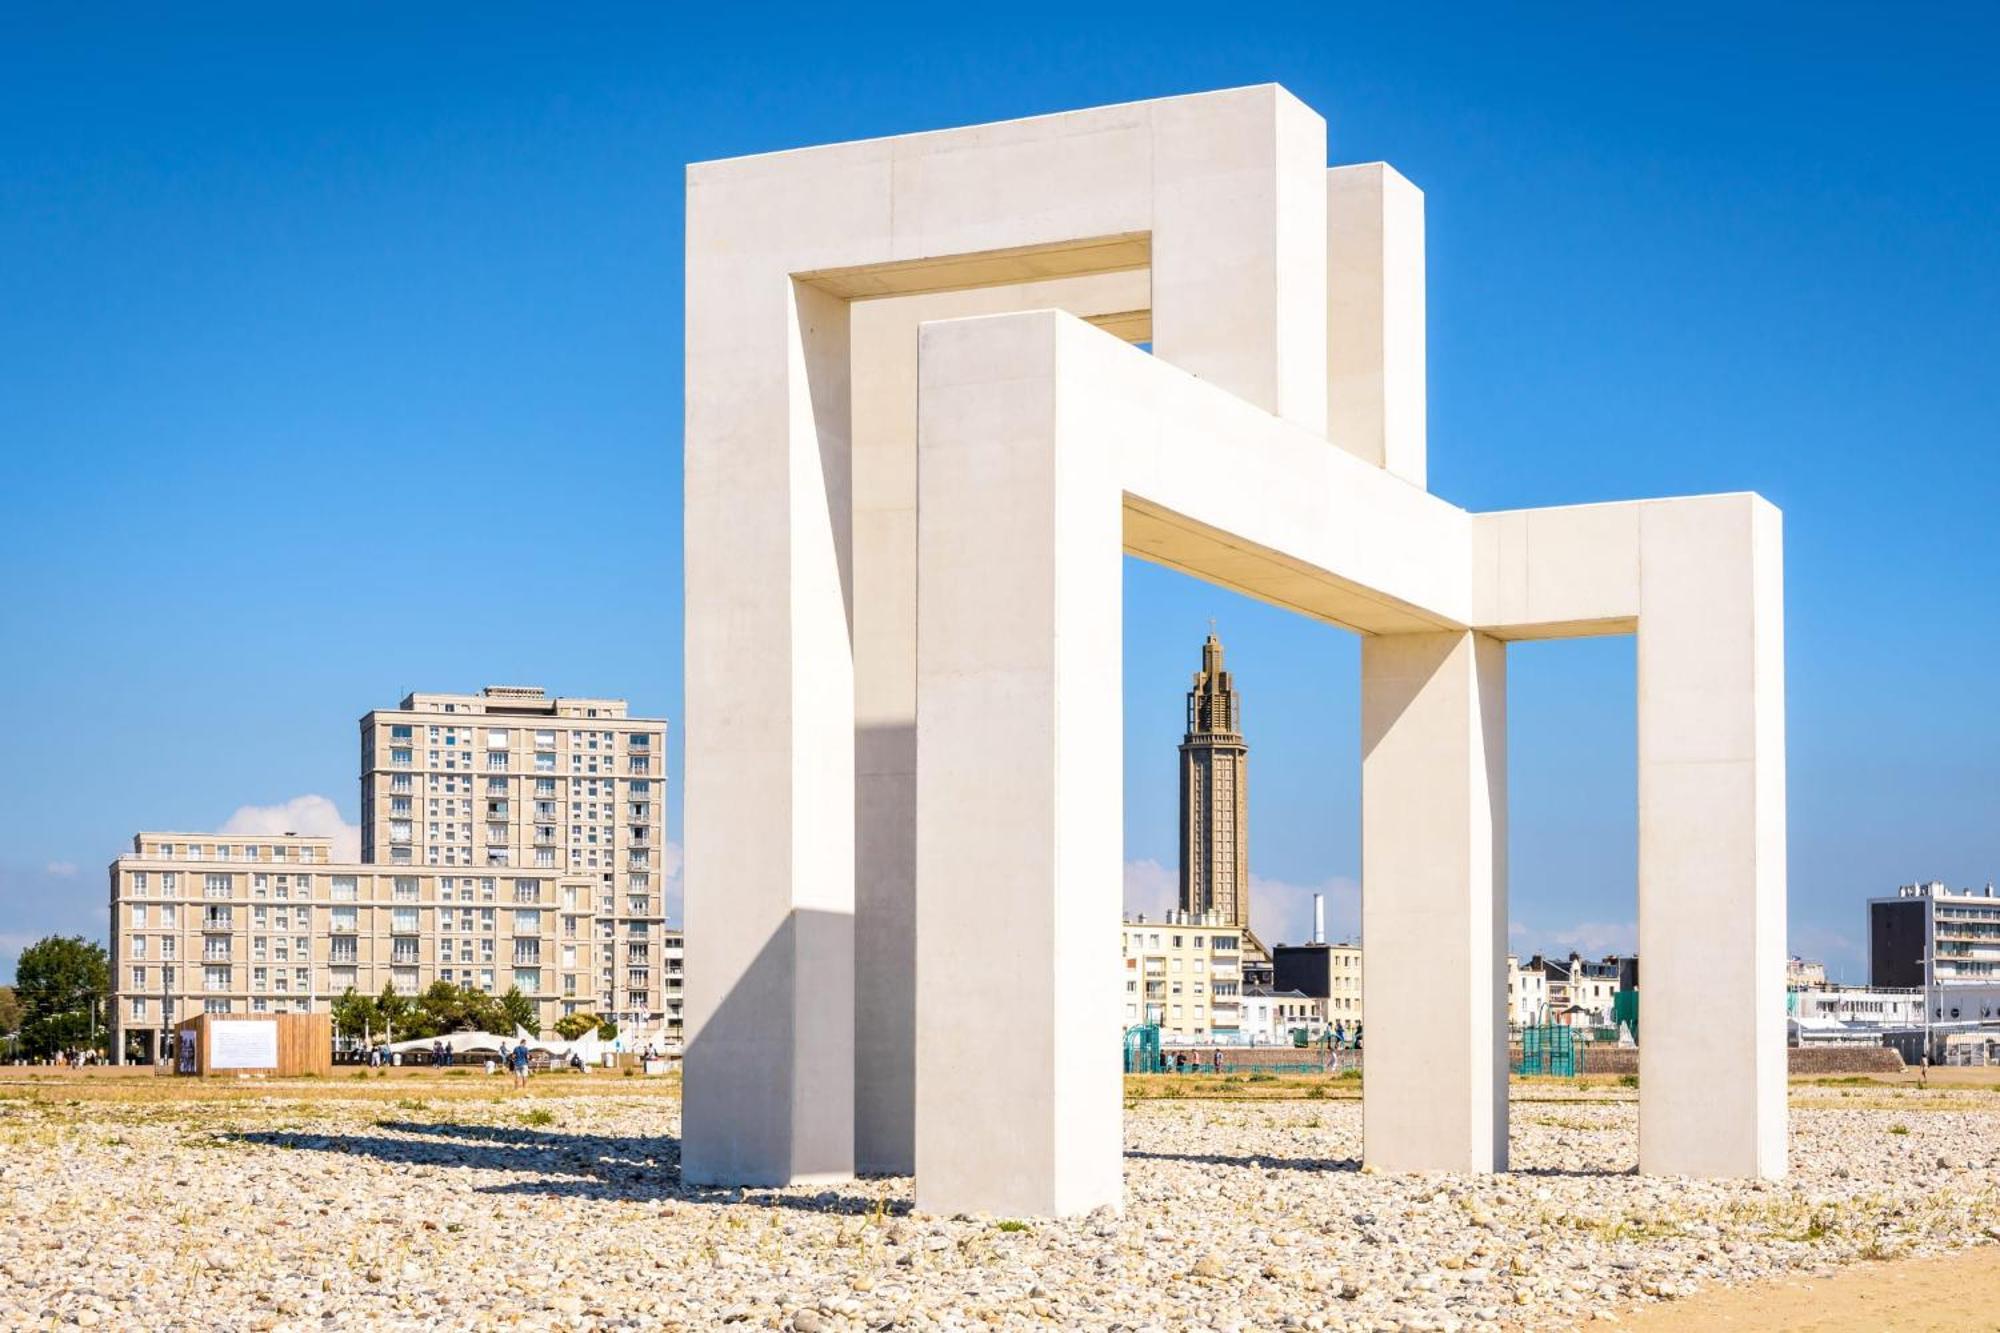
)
(1548, 1050)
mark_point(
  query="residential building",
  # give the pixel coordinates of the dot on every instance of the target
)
(1215, 797)
(1803, 972)
(211, 923)
(1329, 974)
(1185, 975)
(1581, 991)
(1527, 993)
(1928, 935)
(1272, 1017)
(510, 781)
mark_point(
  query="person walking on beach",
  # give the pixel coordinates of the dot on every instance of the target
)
(520, 1065)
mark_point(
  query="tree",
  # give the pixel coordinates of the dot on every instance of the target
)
(449, 1008)
(607, 1031)
(59, 981)
(10, 1012)
(354, 1015)
(571, 1026)
(392, 1012)
(519, 1012)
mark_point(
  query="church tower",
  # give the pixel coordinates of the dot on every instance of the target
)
(1215, 773)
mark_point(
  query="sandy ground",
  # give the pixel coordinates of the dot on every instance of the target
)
(1956, 1292)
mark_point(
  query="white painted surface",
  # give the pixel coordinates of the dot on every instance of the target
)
(242, 1043)
(831, 684)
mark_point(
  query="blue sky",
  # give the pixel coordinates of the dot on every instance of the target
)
(340, 357)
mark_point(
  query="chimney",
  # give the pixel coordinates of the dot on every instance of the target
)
(1319, 918)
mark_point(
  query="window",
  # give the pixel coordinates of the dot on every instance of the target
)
(138, 1006)
(527, 951)
(167, 947)
(138, 914)
(215, 978)
(138, 978)
(402, 732)
(406, 888)
(215, 886)
(170, 881)
(529, 979)
(344, 920)
(400, 758)
(344, 951)
(403, 949)
(403, 920)
(138, 881)
(527, 890)
(217, 918)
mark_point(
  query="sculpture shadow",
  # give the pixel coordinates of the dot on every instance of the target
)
(1248, 1161)
(596, 1167)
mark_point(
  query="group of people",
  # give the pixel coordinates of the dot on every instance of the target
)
(1343, 1038)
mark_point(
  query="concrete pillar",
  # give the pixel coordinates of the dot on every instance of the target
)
(883, 337)
(770, 746)
(1711, 710)
(1019, 780)
(1375, 379)
(1434, 901)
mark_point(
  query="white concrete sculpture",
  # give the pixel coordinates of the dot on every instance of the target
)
(912, 468)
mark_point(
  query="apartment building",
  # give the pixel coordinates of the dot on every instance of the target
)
(513, 783)
(1185, 975)
(1928, 935)
(1275, 1017)
(272, 924)
(1527, 993)
(1327, 973)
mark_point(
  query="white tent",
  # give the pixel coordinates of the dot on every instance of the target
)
(463, 1043)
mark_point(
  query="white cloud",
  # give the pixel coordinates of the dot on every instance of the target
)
(1151, 888)
(61, 869)
(1281, 912)
(1591, 939)
(302, 814)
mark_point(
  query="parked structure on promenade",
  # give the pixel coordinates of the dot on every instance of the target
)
(891, 368)
(508, 840)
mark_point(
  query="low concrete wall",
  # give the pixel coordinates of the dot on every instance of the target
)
(1819, 1060)
(1255, 1057)
(1805, 1061)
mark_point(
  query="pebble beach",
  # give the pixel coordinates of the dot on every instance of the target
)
(433, 1204)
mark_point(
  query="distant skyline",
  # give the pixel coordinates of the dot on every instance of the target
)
(340, 356)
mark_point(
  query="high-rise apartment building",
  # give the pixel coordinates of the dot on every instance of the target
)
(1929, 935)
(1215, 798)
(211, 923)
(512, 782)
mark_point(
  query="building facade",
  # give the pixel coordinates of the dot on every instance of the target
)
(1215, 797)
(1185, 976)
(1927, 935)
(512, 782)
(1527, 993)
(1581, 992)
(209, 923)
(1274, 1017)
(1327, 973)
